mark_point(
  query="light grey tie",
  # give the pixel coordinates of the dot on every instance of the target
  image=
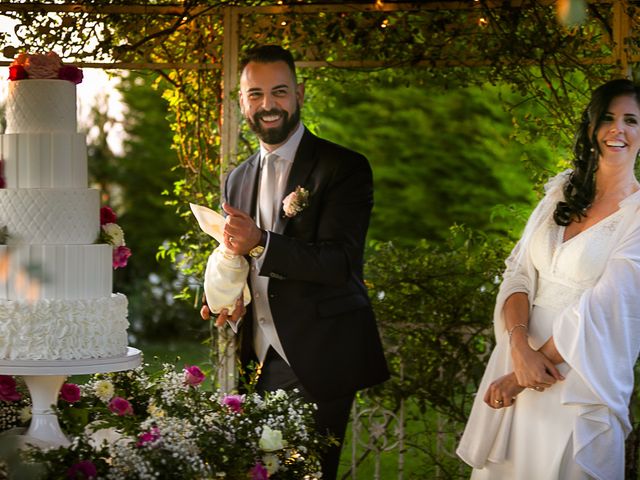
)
(267, 191)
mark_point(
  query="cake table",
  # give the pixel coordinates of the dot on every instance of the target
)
(44, 379)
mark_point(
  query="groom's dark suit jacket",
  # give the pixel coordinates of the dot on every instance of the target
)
(319, 303)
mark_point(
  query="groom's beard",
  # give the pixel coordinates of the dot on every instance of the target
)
(274, 136)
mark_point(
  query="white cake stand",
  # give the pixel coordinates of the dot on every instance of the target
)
(44, 379)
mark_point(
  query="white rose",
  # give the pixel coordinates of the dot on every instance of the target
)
(271, 440)
(113, 234)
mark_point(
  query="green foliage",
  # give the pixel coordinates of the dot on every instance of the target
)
(132, 184)
(434, 305)
(439, 156)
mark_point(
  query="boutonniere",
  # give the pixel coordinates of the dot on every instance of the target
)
(296, 201)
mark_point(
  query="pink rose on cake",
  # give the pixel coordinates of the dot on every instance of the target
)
(121, 256)
(43, 66)
(39, 65)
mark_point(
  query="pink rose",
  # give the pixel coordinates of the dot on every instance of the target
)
(259, 472)
(17, 72)
(121, 256)
(193, 375)
(148, 437)
(84, 469)
(120, 406)
(8, 390)
(43, 66)
(70, 73)
(233, 402)
(107, 215)
(70, 392)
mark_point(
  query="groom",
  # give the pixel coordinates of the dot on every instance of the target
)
(310, 322)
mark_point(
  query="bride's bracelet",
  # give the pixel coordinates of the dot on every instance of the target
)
(520, 325)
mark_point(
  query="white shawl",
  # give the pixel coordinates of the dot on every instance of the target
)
(599, 338)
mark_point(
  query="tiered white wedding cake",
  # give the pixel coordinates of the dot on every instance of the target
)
(53, 222)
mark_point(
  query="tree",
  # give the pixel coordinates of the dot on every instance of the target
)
(133, 184)
(439, 156)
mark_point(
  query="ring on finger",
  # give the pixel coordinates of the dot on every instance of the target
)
(499, 402)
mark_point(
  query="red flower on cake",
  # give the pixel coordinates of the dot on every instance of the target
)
(17, 72)
(43, 66)
(107, 215)
(70, 73)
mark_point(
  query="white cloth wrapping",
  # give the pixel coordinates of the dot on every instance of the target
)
(599, 338)
(225, 277)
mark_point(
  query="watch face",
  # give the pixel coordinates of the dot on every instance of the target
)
(256, 251)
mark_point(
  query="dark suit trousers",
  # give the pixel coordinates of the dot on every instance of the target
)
(331, 417)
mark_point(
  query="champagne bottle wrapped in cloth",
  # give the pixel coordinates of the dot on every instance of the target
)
(225, 277)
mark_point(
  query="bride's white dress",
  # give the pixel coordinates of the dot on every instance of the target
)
(583, 292)
(540, 444)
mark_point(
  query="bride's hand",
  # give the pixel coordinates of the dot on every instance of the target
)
(503, 391)
(533, 369)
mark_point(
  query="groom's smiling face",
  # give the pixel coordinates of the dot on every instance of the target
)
(270, 100)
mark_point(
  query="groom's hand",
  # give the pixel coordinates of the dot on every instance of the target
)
(238, 312)
(241, 233)
(224, 316)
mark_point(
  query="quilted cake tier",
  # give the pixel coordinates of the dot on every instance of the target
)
(63, 329)
(51, 216)
(39, 106)
(44, 160)
(62, 272)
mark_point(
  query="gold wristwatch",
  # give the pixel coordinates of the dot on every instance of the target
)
(256, 251)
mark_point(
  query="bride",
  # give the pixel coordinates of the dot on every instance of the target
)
(553, 402)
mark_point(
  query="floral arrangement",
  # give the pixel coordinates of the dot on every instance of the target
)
(15, 409)
(43, 66)
(296, 201)
(135, 425)
(112, 233)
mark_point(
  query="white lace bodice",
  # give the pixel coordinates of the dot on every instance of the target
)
(566, 269)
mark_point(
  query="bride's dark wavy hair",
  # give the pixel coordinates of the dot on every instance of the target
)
(580, 188)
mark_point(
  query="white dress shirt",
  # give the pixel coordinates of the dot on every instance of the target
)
(264, 330)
